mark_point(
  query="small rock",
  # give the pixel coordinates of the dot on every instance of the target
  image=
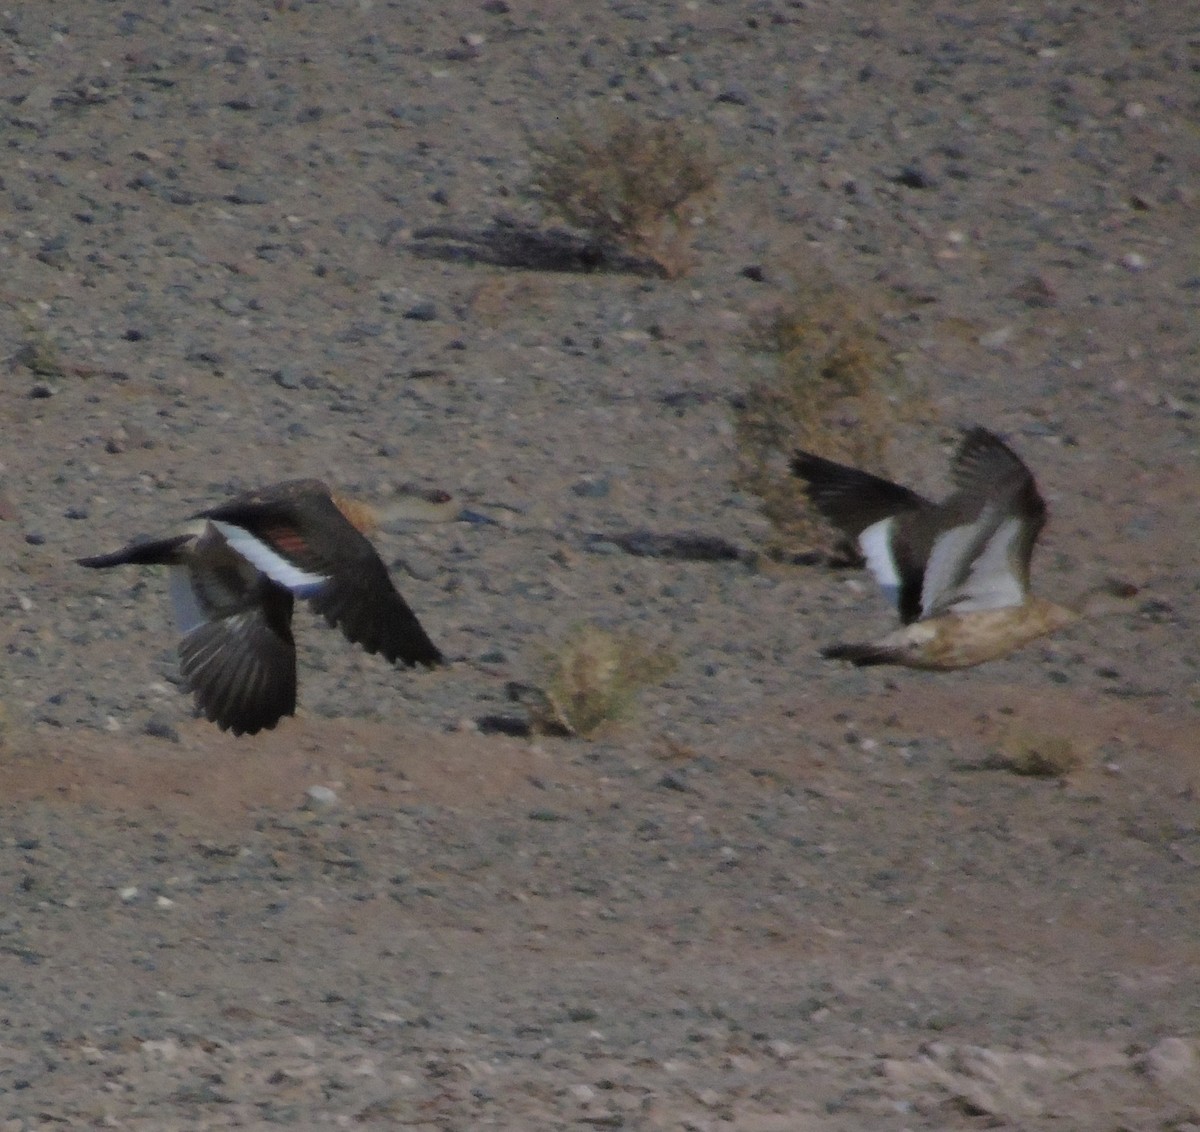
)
(231, 304)
(1174, 1066)
(248, 194)
(1034, 292)
(913, 177)
(735, 95)
(319, 798)
(996, 339)
(591, 487)
(422, 312)
(158, 727)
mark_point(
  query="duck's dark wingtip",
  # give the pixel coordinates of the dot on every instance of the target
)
(860, 655)
(429, 660)
(144, 552)
(102, 561)
(247, 726)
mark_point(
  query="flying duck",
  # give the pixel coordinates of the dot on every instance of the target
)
(235, 572)
(958, 570)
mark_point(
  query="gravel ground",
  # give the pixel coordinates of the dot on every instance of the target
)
(785, 896)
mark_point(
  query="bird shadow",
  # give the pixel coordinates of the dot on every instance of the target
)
(507, 243)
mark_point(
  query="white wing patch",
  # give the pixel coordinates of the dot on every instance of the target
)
(992, 583)
(275, 566)
(189, 613)
(947, 564)
(875, 542)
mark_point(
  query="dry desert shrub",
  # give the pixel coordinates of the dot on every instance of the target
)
(637, 184)
(832, 385)
(1037, 756)
(593, 678)
(40, 355)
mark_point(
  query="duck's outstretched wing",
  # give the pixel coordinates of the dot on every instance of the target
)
(303, 542)
(241, 667)
(886, 521)
(980, 559)
(237, 655)
(849, 498)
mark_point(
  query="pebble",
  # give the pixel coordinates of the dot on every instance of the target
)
(734, 95)
(913, 177)
(158, 727)
(591, 487)
(248, 194)
(319, 797)
(996, 339)
(1174, 1060)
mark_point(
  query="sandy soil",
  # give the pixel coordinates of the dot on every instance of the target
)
(785, 896)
